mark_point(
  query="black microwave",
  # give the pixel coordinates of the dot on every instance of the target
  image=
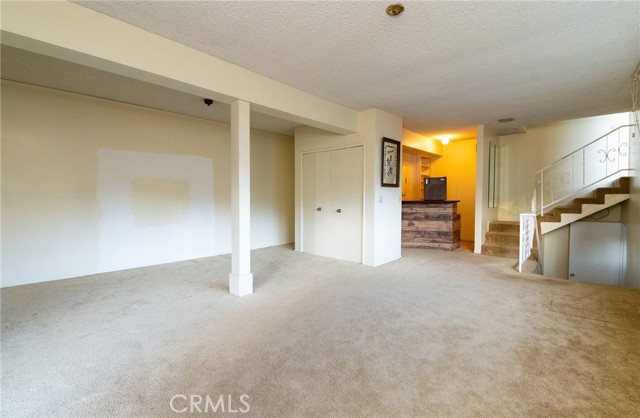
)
(435, 189)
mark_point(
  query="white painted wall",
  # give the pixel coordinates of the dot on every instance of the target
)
(272, 191)
(521, 156)
(555, 253)
(483, 213)
(387, 200)
(382, 205)
(631, 211)
(149, 210)
(91, 186)
(555, 247)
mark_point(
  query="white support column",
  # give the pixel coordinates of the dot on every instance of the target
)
(240, 278)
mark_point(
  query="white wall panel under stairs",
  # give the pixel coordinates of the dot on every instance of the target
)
(596, 252)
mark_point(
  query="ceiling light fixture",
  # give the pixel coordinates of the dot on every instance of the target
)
(444, 139)
(395, 9)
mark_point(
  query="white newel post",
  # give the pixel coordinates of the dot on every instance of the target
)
(240, 278)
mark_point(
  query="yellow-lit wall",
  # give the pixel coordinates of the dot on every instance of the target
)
(411, 177)
(421, 143)
(458, 164)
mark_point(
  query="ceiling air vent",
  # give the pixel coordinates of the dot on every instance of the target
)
(511, 130)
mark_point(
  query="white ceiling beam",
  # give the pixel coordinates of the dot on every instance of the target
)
(71, 32)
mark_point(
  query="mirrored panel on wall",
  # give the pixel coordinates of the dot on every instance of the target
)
(493, 178)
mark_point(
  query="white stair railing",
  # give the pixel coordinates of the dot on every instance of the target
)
(605, 158)
(528, 227)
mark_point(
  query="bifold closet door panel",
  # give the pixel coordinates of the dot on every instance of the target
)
(324, 222)
(348, 201)
(332, 190)
(309, 203)
(316, 201)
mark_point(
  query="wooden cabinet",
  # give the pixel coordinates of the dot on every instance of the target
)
(414, 169)
(431, 225)
(425, 166)
(425, 171)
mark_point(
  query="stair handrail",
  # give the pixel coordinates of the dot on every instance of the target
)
(609, 152)
(528, 232)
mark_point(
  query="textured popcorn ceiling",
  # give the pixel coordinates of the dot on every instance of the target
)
(442, 66)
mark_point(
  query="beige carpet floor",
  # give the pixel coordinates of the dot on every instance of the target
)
(434, 334)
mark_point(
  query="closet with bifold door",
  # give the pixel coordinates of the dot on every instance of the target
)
(332, 193)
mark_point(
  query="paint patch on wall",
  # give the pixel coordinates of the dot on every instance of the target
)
(156, 208)
(156, 202)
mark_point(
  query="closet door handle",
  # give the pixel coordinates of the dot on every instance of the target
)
(319, 209)
(339, 211)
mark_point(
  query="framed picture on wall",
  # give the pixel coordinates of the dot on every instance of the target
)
(390, 162)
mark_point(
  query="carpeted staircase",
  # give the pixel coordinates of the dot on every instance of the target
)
(601, 198)
(502, 238)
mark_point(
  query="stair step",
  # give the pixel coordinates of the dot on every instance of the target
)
(505, 226)
(624, 183)
(548, 218)
(507, 251)
(598, 197)
(567, 209)
(586, 201)
(600, 193)
(502, 238)
(560, 218)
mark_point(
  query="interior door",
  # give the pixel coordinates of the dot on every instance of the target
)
(317, 204)
(309, 203)
(347, 200)
(407, 186)
(323, 204)
(332, 190)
